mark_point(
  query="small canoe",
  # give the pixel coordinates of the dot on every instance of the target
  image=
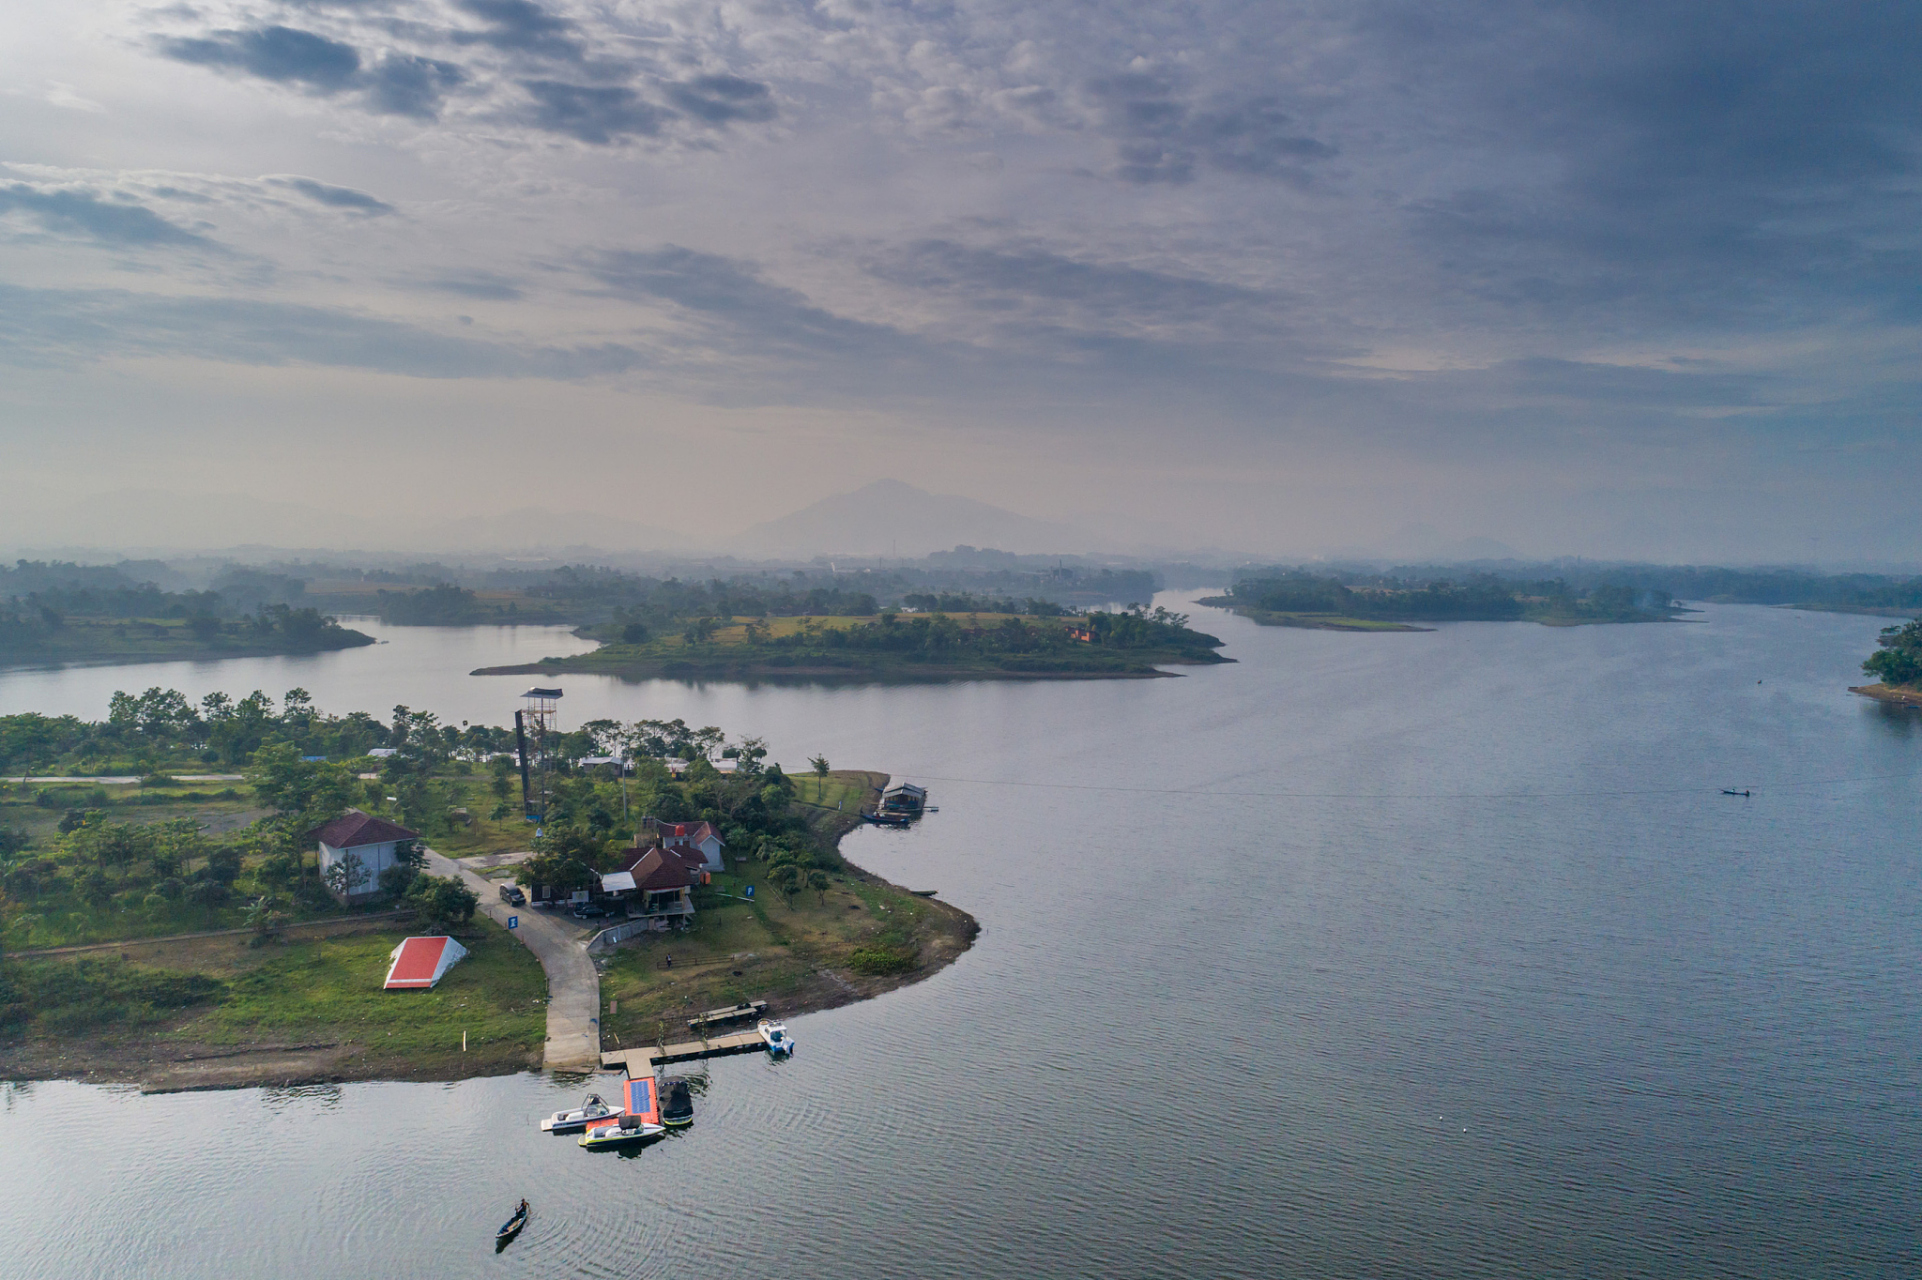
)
(511, 1228)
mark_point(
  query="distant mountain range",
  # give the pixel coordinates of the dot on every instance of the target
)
(892, 518)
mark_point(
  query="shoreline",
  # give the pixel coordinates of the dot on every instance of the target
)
(1888, 695)
(159, 1060)
(742, 672)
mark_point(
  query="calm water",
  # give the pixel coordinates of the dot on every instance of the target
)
(1401, 955)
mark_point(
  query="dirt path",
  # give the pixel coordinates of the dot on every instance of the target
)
(573, 984)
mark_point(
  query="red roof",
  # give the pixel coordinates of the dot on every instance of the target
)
(685, 832)
(353, 829)
(420, 962)
(661, 869)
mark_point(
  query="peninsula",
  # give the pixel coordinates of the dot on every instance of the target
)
(178, 936)
(896, 646)
(1386, 603)
(1898, 660)
(56, 613)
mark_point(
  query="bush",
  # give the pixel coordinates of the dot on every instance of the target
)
(884, 958)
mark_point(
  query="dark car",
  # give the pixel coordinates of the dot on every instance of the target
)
(588, 911)
(512, 893)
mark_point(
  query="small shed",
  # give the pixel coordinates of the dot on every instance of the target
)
(420, 963)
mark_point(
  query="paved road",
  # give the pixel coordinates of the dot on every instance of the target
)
(573, 984)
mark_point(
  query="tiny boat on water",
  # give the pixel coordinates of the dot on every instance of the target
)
(775, 1035)
(580, 1117)
(619, 1133)
(1729, 792)
(511, 1228)
(677, 1104)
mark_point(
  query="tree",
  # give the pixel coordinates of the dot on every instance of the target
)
(346, 876)
(266, 919)
(818, 881)
(820, 766)
(296, 787)
(1898, 660)
(441, 902)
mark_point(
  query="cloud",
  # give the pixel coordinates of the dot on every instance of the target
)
(335, 197)
(1160, 137)
(44, 326)
(403, 84)
(599, 114)
(281, 54)
(113, 222)
(723, 99)
(483, 285)
(521, 28)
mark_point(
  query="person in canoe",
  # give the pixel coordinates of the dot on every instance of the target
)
(511, 1228)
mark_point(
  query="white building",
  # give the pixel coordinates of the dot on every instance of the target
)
(374, 844)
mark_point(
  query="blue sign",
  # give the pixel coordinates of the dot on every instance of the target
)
(750, 891)
(513, 922)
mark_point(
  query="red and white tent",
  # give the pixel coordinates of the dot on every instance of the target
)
(419, 963)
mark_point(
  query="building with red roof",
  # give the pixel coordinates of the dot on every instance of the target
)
(695, 835)
(366, 845)
(420, 963)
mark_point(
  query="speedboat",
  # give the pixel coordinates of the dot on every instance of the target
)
(620, 1132)
(580, 1117)
(511, 1228)
(775, 1036)
(677, 1104)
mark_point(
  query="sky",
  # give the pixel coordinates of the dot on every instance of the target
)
(1611, 279)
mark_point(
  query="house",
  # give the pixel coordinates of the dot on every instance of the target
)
(695, 835)
(368, 844)
(904, 799)
(420, 963)
(657, 884)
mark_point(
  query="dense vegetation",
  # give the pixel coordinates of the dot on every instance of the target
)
(58, 611)
(920, 645)
(1898, 659)
(1483, 597)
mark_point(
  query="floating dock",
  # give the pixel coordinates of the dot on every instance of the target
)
(639, 1063)
(733, 1013)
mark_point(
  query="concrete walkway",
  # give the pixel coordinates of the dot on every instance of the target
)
(573, 984)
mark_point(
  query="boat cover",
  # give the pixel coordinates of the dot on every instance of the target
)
(419, 963)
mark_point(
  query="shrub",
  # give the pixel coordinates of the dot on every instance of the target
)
(883, 958)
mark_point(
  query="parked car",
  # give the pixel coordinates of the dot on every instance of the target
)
(588, 911)
(512, 893)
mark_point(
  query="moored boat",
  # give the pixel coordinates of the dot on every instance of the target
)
(775, 1036)
(620, 1132)
(580, 1117)
(677, 1104)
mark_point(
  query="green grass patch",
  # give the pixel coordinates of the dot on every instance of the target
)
(53, 997)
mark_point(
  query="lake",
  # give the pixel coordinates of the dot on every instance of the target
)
(1396, 955)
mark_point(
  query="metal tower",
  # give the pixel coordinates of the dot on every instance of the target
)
(536, 725)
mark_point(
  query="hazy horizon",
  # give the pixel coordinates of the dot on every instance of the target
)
(1613, 281)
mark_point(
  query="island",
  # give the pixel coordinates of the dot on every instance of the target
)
(58, 613)
(186, 930)
(897, 646)
(1377, 602)
(1898, 660)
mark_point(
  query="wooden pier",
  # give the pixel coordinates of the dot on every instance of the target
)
(733, 1013)
(646, 1062)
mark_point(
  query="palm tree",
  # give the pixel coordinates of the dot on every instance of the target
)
(820, 766)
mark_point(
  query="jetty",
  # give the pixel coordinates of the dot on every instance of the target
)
(646, 1062)
(733, 1013)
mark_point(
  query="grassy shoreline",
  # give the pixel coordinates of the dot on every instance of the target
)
(1892, 695)
(209, 1011)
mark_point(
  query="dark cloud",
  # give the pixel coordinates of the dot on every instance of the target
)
(522, 28)
(600, 114)
(107, 221)
(335, 197)
(405, 85)
(44, 326)
(477, 284)
(1160, 137)
(281, 54)
(723, 99)
(1101, 290)
(735, 303)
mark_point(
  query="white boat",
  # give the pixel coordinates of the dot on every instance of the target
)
(579, 1117)
(775, 1036)
(619, 1132)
